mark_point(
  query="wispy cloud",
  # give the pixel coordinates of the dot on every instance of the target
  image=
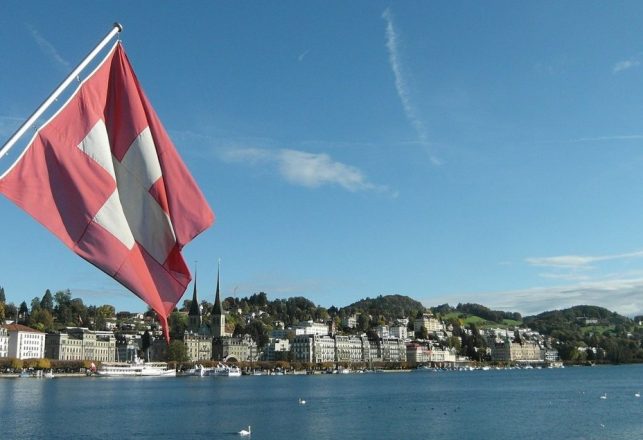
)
(310, 170)
(578, 261)
(48, 48)
(631, 62)
(624, 296)
(303, 55)
(626, 137)
(401, 84)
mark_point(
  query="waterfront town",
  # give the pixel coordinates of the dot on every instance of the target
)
(424, 341)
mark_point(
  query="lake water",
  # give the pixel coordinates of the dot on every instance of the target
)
(507, 404)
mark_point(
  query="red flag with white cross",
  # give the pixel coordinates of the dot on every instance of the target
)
(104, 177)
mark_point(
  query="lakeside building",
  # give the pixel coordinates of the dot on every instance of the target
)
(199, 346)
(25, 342)
(348, 349)
(234, 349)
(419, 354)
(128, 346)
(276, 350)
(79, 343)
(197, 337)
(313, 348)
(511, 351)
(312, 328)
(429, 322)
(4, 342)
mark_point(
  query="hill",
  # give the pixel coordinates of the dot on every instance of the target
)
(389, 307)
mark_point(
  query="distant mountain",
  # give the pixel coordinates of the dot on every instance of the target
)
(388, 306)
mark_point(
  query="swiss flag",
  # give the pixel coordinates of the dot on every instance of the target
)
(105, 178)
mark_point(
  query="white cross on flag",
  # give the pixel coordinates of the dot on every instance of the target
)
(105, 178)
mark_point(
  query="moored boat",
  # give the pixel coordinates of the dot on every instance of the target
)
(138, 368)
(226, 370)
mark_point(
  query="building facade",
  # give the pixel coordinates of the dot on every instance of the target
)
(199, 346)
(4, 342)
(78, 344)
(429, 322)
(234, 348)
(277, 350)
(25, 342)
(510, 351)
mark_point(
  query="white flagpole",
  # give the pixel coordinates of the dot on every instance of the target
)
(63, 85)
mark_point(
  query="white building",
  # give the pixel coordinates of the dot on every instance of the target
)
(382, 331)
(311, 328)
(314, 348)
(25, 342)
(348, 349)
(4, 342)
(399, 331)
(429, 322)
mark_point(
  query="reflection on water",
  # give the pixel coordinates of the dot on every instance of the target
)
(532, 404)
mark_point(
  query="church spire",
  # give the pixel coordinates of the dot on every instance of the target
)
(218, 317)
(216, 309)
(194, 314)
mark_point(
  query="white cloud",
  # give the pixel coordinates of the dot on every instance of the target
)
(578, 261)
(633, 61)
(624, 296)
(626, 137)
(49, 49)
(401, 84)
(310, 170)
(303, 55)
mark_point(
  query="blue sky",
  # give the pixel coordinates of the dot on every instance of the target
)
(485, 152)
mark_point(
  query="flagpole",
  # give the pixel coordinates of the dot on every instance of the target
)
(63, 85)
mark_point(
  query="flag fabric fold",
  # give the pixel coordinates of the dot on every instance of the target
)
(104, 177)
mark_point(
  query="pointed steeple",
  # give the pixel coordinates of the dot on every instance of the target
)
(218, 317)
(194, 314)
(216, 309)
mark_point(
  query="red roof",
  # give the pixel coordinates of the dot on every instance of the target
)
(19, 328)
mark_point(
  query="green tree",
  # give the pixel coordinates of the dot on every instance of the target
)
(23, 311)
(362, 322)
(11, 311)
(62, 310)
(258, 331)
(101, 315)
(2, 316)
(47, 301)
(177, 351)
(35, 304)
(3, 298)
(42, 320)
(178, 323)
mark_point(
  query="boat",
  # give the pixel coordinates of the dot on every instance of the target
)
(226, 370)
(199, 370)
(49, 374)
(137, 368)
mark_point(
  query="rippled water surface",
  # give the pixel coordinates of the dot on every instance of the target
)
(507, 404)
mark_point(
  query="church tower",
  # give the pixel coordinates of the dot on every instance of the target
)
(218, 318)
(194, 316)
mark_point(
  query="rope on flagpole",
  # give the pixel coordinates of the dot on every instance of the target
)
(117, 28)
